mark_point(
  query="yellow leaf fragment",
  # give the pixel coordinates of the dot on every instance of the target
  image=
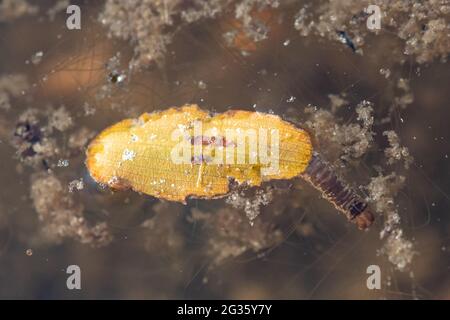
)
(184, 152)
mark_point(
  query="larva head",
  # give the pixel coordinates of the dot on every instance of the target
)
(364, 219)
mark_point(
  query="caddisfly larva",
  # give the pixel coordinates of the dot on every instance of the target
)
(185, 152)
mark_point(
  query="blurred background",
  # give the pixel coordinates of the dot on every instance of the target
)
(375, 103)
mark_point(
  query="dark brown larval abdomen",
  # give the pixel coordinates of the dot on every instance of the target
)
(344, 198)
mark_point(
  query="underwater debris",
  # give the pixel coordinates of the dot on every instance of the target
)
(116, 75)
(422, 26)
(150, 25)
(202, 85)
(115, 79)
(385, 72)
(345, 39)
(60, 119)
(88, 109)
(77, 184)
(11, 86)
(59, 6)
(63, 163)
(37, 140)
(398, 249)
(37, 58)
(253, 22)
(229, 234)
(13, 9)
(162, 231)
(33, 145)
(250, 205)
(395, 152)
(61, 216)
(346, 141)
(337, 101)
(79, 139)
(406, 96)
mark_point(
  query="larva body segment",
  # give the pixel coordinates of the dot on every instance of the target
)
(344, 198)
(139, 154)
